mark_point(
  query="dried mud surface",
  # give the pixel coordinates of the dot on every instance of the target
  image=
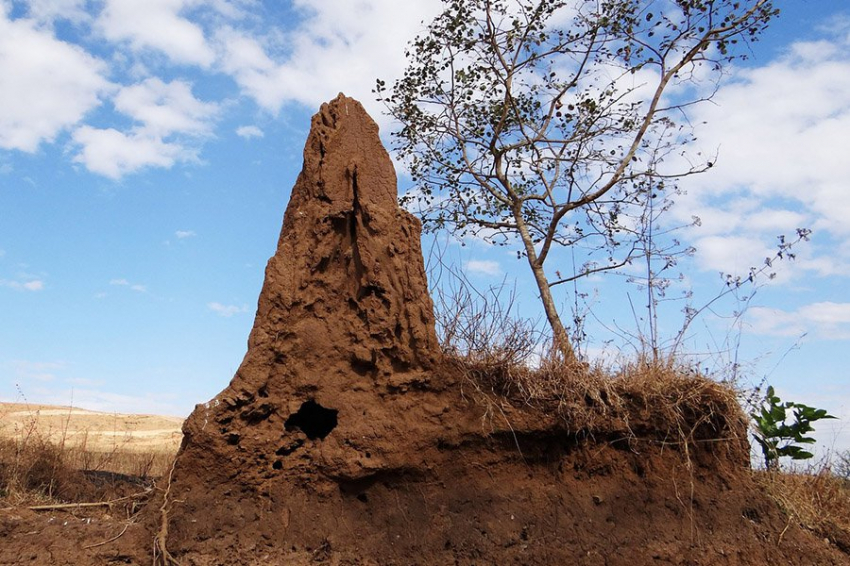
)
(345, 439)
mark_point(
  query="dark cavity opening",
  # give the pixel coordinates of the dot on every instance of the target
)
(313, 420)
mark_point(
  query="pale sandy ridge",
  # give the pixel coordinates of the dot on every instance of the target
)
(97, 431)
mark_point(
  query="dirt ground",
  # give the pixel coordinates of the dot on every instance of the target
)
(533, 495)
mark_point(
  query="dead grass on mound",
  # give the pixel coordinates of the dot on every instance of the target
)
(816, 499)
(659, 399)
(663, 400)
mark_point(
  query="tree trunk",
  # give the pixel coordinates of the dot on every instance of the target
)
(559, 333)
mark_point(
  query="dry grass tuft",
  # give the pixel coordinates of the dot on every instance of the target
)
(660, 401)
(668, 394)
(499, 355)
(816, 499)
(35, 472)
(41, 468)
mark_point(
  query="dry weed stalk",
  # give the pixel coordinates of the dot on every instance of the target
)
(37, 467)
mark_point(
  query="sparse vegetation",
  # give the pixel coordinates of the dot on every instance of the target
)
(508, 360)
(815, 498)
(40, 467)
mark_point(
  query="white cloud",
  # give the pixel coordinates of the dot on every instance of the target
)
(35, 285)
(50, 10)
(166, 108)
(157, 25)
(23, 282)
(132, 286)
(114, 154)
(249, 132)
(774, 322)
(828, 313)
(830, 264)
(780, 129)
(483, 267)
(106, 401)
(731, 254)
(226, 310)
(25, 370)
(164, 112)
(339, 46)
(183, 234)
(255, 72)
(46, 85)
(825, 320)
(38, 371)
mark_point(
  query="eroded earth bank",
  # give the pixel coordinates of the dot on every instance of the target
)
(346, 437)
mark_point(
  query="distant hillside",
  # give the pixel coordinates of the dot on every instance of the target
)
(95, 430)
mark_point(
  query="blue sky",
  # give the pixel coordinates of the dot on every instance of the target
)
(148, 147)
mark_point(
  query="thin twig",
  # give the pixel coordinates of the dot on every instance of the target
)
(782, 534)
(116, 537)
(88, 504)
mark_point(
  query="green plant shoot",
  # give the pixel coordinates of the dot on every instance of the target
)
(778, 438)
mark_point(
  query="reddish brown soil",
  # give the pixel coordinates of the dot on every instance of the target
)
(473, 500)
(345, 438)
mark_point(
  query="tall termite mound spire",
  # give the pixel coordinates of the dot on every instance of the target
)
(347, 284)
(344, 327)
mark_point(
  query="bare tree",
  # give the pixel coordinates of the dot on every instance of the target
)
(545, 123)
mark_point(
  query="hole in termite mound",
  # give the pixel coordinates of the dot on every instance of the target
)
(313, 420)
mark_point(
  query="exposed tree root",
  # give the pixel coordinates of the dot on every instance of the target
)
(161, 556)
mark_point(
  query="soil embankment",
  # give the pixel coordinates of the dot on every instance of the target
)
(346, 437)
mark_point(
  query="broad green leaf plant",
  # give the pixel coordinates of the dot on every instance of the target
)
(776, 437)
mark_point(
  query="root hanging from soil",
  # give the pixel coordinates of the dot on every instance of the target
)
(113, 539)
(161, 556)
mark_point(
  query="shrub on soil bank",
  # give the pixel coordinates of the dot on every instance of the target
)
(779, 438)
(35, 470)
